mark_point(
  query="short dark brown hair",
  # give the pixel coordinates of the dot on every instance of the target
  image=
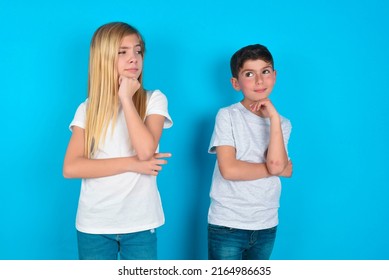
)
(250, 52)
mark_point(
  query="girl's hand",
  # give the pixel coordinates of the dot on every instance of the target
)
(154, 165)
(265, 107)
(127, 87)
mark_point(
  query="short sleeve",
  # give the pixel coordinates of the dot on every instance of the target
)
(223, 132)
(79, 117)
(286, 130)
(158, 105)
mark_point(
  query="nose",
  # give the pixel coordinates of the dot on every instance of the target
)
(132, 58)
(258, 79)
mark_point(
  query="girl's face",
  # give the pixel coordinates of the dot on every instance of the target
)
(130, 57)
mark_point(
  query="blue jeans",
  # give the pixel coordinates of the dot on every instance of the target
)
(226, 243)
(131, 246)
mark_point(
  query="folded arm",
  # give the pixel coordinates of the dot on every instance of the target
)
(76, 165)
(237, 170)
(145, 135)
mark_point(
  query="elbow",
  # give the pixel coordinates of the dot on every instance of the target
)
(275, 168)
(67, 172)
(145, 155)
(146, 151)
(227, 173)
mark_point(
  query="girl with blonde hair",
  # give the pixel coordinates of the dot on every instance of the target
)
(114, 149)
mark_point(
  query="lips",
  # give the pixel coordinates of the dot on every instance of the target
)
(260, 90)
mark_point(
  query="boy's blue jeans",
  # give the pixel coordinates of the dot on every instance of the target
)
(131, 246)
(226, 243)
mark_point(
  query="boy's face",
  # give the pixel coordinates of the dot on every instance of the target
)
(256, 80)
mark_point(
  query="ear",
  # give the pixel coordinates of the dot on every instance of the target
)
(235, 84)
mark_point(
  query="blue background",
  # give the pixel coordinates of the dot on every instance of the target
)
(332, 61)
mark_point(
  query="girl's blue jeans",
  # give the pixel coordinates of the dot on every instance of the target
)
(226, 243)
(131, 246)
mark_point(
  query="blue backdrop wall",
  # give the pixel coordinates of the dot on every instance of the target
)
(333, 64)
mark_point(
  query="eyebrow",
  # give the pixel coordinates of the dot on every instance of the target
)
(124, 47)
(252, 70)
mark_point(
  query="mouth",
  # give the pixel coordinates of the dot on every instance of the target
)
(262, 90)
(131, 70)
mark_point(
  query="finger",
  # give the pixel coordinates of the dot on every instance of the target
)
(162, 155)
(253, 107)
(161, 162)
(264, 102)
(135, 82)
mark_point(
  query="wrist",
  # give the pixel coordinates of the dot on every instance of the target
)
(126, 101)
(275, 118)
(131, 164)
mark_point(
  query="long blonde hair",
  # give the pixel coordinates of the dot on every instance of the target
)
(103, 83)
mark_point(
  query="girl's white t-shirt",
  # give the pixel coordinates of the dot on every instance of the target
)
(124, 203)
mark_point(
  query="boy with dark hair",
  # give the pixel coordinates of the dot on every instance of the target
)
(250, 140)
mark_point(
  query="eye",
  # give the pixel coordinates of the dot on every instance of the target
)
(267, 71)
(248, 74)
(138, 50)
(122, 52)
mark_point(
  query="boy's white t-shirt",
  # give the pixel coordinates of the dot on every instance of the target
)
(250, 205)
(127, 202)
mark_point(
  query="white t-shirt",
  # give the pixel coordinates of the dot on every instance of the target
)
(127, 202)
(251, 205)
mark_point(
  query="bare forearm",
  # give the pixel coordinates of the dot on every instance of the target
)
(82, 167)
(142, 140)
(76, 165)
(276, 159)
(243, 171)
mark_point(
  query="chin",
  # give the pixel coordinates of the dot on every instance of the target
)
(130, 76)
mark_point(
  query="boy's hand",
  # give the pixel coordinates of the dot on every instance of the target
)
(288, 170)
(127, 87)
(266, 107)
